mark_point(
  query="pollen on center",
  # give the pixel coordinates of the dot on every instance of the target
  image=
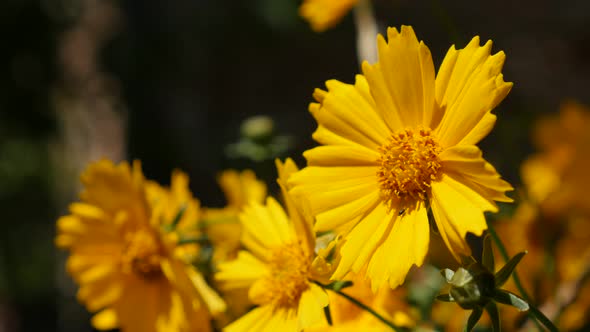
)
(409, 162)
(143, 254)
(290, 269)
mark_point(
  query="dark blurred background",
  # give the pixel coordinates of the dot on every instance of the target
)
(170, 82)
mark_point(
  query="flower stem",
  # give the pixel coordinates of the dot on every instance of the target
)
(533, 312)
(368, 309)
(366, 32)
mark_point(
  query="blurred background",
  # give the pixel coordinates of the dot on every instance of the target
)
(171, 83)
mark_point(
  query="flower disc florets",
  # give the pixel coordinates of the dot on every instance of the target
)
(143, 254)
(290, 269)
(409, 163)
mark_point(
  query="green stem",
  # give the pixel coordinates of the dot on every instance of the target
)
(368, 309)
(533, 312)
(542, 318)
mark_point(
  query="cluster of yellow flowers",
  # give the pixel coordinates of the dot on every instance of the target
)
(398, 165)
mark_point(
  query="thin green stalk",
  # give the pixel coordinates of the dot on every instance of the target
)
(368, 309)
(543, 319)
(533, 312)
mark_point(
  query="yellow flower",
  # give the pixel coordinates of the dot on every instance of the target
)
(222, 225)
(324, 14)
(556, 178)
(125, 254)
(398, 142)
(224, 230)
(277, 269)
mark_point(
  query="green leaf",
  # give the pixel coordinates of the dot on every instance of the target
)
(506, 270)
(487, 256)
(445, 298)
(473, 319)
(506, 297)
(447, 274)
(492, 310)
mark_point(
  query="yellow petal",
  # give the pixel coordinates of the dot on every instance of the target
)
(333, 155)
(212, 300)
(138, 307)
(347, 212)
(324, 14)
(363, 239)
(405, 245)
(101, 293)
(242, 271)
(457, 210)
(402, 82)
(255, 320)
(105, 320)
(241, 188)
(311, 305)
(266, 225)
(469, 84)
(481, 130)
(115, 188)
(467, 163)
(298, 208)
(346, 111)
(330, 187)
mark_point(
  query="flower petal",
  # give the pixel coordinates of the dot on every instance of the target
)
(347, 213)
(457, 210)
(469, 85)
(349, 111)
(467, 163)
(266, 225)
(402, 82)
(330, 187)
(405, 245)
(333, 155)
(311, 305)
(105, 320)
(242, 271)
(254, 320)
(363, 239)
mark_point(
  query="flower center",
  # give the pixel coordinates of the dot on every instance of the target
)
(143, 254)
(290, 268)
(409, 163)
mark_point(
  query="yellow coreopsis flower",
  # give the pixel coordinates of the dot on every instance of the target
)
(222, 225)
(224, 230)
(324, 14)
(278, 268)
(125, 240)
(398, 142)
(556, 178)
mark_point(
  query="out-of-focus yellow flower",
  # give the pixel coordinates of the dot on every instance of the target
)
(348, 317)
(224, 230)
(278, 268)
(222, 225)
(127, 256)
(557, 177)
(324, 14)
(397, 142)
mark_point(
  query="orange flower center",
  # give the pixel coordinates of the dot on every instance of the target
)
(290, 268)
(409, 163)
(143, 254)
